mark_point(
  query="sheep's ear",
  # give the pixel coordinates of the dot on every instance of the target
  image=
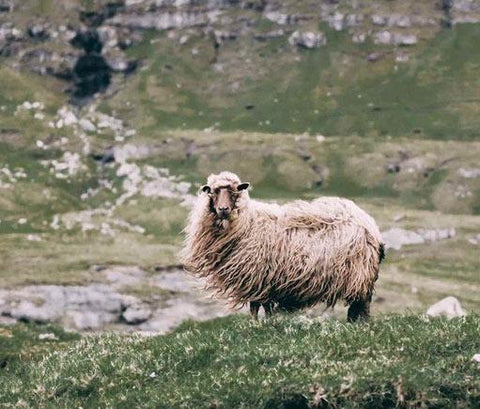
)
(206, 189)
(243, 186)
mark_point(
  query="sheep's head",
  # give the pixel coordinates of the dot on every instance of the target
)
(224, 190)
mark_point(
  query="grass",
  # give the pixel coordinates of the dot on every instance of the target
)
(285, 362)
(21, 343)
(333, 90)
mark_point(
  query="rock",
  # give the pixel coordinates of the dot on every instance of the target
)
(31, 312)
(385, 37)
(121, 276)
(176, 281)
(402, 57)
(308, 39)
(404, 39)
(399, 217)
(466, 6)
(469, 173)
(399, 20)
(165, 19)
(448, 307)
(475, 240)
(49, 336)
(108, 36)
(88, 307)
(222, 36)
(379, 20)
(395, 238)
(179, 309)
(437, 234)
(67, 116)
(6, 6)
(136, 314)
(393, 168)
(119, 64)
(359, 38)
(476, 358)
(38, 32)
(89, 320)
(279, 18)
(382, 37)
(87, 125)
(372, 57)
(336, 21)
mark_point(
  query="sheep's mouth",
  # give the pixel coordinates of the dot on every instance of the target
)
(223, 215)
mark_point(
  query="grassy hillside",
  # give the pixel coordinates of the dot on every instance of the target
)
(335, 90)
(285, 362)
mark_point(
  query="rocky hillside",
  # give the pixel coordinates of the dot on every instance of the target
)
(313, 66)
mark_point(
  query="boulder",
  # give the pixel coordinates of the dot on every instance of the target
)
(448, 307)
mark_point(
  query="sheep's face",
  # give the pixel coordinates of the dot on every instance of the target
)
(223, 198)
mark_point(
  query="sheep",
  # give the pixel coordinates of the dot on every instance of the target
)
(282, 257)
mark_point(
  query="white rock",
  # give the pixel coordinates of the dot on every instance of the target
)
(359, 38)
(476, 358)
(69, 118)
(87, 125)
(308, 39)
(395, 238)
(34, 237)
(50, 336)
(405, 39)
(448, 307)
(383, 37)
(469, 173)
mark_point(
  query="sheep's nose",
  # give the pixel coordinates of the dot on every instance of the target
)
(223, 209)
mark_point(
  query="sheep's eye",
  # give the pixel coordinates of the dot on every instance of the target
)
(216, 191)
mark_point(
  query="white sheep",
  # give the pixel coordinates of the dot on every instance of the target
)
(288, 256)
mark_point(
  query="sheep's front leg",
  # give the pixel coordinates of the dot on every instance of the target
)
(254, 307)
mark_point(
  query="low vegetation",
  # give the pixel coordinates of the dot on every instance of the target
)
(234, 362)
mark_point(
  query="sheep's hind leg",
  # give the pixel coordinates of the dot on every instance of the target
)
(254, 307)
(359, 310)
(268, 307)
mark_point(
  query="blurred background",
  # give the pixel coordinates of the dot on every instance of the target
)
(112, 114)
